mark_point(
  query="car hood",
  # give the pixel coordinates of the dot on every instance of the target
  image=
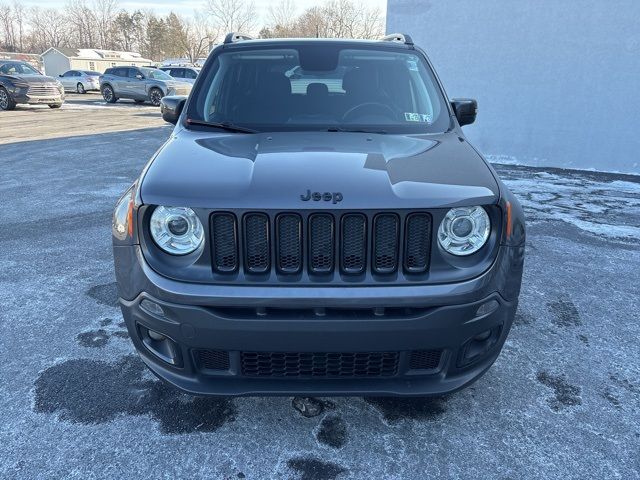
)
(32, 79)
(273, 171)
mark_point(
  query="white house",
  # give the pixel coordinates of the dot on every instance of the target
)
(58, 60)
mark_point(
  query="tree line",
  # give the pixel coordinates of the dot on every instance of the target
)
(104, 25)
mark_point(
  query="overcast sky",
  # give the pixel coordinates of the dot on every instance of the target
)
(186, 7)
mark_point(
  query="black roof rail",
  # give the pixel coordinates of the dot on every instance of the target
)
(398, 37)
(234, 37)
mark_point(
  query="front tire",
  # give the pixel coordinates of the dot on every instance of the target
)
(80, 88)
(155, 95)
(6, 102)
(108, 94)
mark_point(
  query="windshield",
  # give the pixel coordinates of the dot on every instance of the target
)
(18, 69)
(155, 74)
(320, 87)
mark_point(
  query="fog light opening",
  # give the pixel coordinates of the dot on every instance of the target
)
(479, 346)
(160, 346)
(487, 308)
(151, 307)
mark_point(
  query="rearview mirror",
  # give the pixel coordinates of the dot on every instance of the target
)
(465, 109)
(171, 107)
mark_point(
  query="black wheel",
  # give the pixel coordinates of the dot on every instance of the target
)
(139, 101)
(108, 94)
(6, 102)
(54, 105)
(80, 88)
(155, 95)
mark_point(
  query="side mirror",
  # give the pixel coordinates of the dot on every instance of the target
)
(139, 76)
(171, 107)
(60, 75)
(465, 109)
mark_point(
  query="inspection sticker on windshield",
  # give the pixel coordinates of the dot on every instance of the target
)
(417, 117)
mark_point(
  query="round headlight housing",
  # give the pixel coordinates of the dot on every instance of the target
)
(176, 230)
(464, 230)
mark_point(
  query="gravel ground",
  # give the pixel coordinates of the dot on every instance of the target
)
(562, 401)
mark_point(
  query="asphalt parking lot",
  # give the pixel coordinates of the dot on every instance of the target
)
(562, 401)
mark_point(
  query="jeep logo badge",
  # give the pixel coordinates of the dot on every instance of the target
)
(334, 197)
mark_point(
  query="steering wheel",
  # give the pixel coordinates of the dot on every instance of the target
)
(380, 107)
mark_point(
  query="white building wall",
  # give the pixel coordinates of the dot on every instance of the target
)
(557, 82)
(55, 63)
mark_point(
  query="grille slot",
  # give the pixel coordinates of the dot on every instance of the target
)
(321, 247)
(354, 243)
(425, 359)
(224, 241)
(212, 359)
(256, 237)
(385, 243)
(417, 242)
(318, 364)
(289, 243)
(43, 91)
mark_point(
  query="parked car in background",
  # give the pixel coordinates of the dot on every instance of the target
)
(186, 74)
(22, 83)
(141, 84)
(80, 81)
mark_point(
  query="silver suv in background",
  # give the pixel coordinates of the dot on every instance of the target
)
(184, 74)
(140, 84)
(80, 81)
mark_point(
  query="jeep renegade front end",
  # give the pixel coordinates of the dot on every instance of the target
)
(318, 224)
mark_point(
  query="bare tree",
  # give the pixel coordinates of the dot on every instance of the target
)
(198, 36)
(104, 14)
(333, 19)
(48, 29)
(231, 15)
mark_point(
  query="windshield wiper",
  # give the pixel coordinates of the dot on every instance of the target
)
(355, 130)
(230, 127)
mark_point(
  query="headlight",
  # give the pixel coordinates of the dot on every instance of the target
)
(176, 230)
(464, 230)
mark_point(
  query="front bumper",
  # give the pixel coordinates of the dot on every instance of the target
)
(274, 320)
(39, 100)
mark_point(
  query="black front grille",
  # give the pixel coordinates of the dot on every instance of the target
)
(321, 252)
(362, 246)
(314, 364)
(354, 243)
(385, 243)
(224, 240)
(417, 242)
(212, 359)
(256, 237)
(425, 359)
(289, 252)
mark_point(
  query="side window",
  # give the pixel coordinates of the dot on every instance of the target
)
(177, 72)
(133, 72)
(188, 73)
(67, 74)
(92, 66)
(77, 74)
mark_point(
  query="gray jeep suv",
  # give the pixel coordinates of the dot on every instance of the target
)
(140, 84)
(341, 239)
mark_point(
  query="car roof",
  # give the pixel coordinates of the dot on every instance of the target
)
(335, 41)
